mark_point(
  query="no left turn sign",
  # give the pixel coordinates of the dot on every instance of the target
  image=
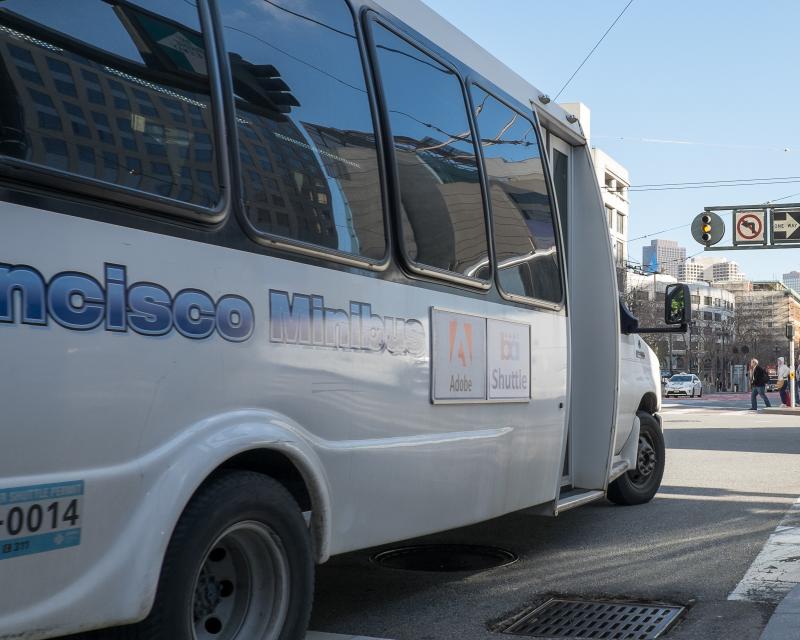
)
(748, 227)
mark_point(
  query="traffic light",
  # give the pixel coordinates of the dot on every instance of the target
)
(705, 227)
(708, 228)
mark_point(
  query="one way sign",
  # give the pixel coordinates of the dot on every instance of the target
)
(786, 226)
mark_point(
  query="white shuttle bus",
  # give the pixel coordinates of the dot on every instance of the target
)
(280, 280)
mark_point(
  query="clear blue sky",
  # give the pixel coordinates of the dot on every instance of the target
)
(721, 75)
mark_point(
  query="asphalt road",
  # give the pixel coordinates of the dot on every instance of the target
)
(722, 401)
(731, 476)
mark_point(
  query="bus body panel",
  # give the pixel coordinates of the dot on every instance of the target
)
(142, 419)
(139, 409)
(639, 376)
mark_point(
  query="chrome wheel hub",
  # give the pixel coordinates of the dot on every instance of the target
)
(242, 589)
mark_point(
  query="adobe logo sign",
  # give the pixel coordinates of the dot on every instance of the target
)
(461, 342)
(459, 356)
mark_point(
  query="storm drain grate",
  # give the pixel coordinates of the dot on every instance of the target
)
(586, 619)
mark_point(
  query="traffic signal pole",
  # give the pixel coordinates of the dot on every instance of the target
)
(792, 381)
(759, 226)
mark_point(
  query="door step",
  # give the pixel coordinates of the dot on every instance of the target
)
(576, 498)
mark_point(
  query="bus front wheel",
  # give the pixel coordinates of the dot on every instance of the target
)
(238, 567)
(641, 483)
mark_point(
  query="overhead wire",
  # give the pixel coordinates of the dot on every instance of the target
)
(784, 149)
(791, 195)
(655, 233)
(709, 185)
(589, 55)
(664, 262)
(670, 184)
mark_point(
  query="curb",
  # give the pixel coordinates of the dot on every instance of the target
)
(786, 411)
(785, 621)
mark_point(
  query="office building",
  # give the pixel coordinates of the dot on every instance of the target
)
(665, 255)
(792, 280)
(691, 271)
(614, 181)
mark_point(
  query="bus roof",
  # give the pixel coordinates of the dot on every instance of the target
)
(420, 17)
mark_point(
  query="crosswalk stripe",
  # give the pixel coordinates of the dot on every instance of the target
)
(714, 413)
(776, 570)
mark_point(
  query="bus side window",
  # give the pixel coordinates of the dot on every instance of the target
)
(115, 92)
(522, 212)
(307, 149)
(443, 219)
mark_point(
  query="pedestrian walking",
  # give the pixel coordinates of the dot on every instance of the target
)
(758, 383)
(783, 382)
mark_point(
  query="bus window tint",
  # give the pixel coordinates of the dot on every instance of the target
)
(307, 149)
(522, 214)
(116, 91)
(442, 212)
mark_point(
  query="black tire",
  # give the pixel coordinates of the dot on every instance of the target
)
(232, 499)
(639, 485)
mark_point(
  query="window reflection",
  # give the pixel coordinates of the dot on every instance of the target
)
(103, 89)
(524, 231)
(306, 140)
(442, 208)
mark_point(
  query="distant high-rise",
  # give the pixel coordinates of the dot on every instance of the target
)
(691, 271)
(725, 271)
(710, 269)
(665, 255)
(792, 280)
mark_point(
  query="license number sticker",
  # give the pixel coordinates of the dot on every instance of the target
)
(40, 518)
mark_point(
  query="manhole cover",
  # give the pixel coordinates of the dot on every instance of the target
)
(444, 557)
(586, 619)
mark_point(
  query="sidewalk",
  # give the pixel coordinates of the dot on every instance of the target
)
(785, 622)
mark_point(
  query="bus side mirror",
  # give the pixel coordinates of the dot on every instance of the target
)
(677, 304)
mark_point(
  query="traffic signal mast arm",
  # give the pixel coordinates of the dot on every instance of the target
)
(759, 226)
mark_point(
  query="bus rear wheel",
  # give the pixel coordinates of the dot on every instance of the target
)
(238, 566)
(641, 483)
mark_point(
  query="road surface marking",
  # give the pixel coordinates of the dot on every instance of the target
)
(673, 410)
(776, 570)
(318, 635)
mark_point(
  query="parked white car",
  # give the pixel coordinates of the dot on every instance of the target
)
(684, 384)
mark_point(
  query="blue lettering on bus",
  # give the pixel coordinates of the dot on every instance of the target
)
(150, 312)
(195, 314)
(79, 302)
(297, 318)
(75, 301)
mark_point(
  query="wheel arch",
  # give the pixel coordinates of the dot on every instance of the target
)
(298, 479)
(256, 441)
(648, 403)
